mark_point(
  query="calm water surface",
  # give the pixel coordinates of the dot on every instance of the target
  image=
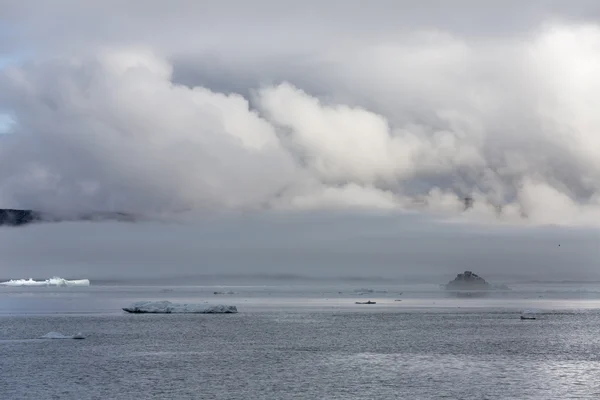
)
(315, 349)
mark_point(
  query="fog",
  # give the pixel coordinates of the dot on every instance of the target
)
(299, 248)
(284, 139)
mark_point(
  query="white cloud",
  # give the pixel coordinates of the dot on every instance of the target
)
(421, 120)
(350, 196)
(116, 132)
(338, 143)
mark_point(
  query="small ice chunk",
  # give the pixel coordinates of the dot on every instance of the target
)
(364, 291)
(166, 307)
(58, 335)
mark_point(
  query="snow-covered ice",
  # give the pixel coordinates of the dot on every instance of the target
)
(166, 307)
(54, 281)
(58, 335)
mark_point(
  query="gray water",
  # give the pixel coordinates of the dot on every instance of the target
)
(299, 346)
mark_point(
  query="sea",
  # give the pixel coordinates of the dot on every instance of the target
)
(301, 341)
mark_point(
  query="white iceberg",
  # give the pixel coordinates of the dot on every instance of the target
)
(58, 335)
(166, 307)
(54, 281)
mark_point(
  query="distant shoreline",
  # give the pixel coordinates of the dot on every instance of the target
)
(20, 217)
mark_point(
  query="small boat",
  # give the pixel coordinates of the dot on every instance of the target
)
(365, 302)
(527, 317)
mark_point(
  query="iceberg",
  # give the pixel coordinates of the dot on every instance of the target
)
(166, 307)
(58, 335)
(54, 281)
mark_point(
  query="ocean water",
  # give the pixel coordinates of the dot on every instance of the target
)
(301, 342)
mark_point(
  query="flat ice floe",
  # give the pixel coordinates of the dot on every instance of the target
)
(58, 335)
(364, 291)
(166, 307)
(55, 281)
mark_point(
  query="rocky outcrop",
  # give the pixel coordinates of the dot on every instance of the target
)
(17, 217)
(14, 217)
(468, 284)
(468, 281)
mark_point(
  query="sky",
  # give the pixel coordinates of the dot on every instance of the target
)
(303, 118)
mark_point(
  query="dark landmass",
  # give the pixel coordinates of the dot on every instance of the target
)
(16, 217)
(469, 281)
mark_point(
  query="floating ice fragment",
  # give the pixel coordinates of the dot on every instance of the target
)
(54, 281)
(58, 335)
(166, 307)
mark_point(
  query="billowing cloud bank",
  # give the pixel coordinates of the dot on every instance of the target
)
(419, 123)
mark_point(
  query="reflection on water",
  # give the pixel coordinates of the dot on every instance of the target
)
(308, 354)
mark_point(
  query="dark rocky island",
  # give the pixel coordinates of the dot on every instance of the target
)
(469, 282)
(18, 217)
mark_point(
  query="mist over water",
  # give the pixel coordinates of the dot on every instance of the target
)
(300, 248)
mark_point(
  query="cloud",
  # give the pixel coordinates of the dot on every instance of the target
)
(114, 132)
(415, 118)
(267, 26)
(349, 196)
(337, 143)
